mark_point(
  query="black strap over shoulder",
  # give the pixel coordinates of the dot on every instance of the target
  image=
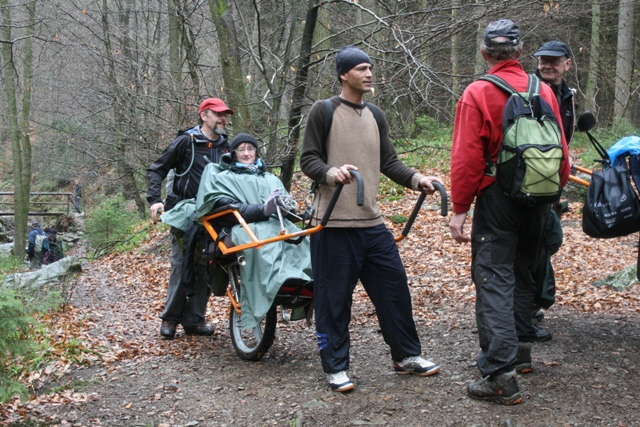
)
(533, 89)
(500, 82)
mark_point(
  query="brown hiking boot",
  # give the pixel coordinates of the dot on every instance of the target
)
(502, 389)
(523, 358)
(168, 329)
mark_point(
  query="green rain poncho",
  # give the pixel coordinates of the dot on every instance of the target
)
(266, 268)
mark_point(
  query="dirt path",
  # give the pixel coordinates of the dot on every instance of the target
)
(586, 376)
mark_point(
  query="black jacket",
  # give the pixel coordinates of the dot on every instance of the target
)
(178, 156)
(565, 101)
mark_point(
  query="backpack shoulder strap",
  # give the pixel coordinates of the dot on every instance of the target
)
(534, 86)
(501, 83)
(490, 169)
(188, 160)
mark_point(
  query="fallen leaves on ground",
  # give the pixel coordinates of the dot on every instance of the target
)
(130, 289)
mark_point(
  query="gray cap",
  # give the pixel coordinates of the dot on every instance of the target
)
(554, 48)
(502, 28)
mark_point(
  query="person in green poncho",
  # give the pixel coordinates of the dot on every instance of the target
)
(243, 181)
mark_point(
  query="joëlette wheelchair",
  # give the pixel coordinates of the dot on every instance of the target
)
(252, 344)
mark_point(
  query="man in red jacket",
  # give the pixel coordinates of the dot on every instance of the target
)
(506, 237)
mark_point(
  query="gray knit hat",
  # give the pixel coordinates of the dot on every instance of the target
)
(243, 137)
(348, 57)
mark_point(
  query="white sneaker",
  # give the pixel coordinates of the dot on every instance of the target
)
(416, 365)
(340, 381)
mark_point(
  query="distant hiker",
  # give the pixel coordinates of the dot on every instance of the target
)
(35, 239)
(77, 195)
(506, 237)
(188, 154)
(356, 244)
(52, 248)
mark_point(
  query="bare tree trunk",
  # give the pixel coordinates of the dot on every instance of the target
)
(322, 38)
(591, 90)
(297, 101)
(19, 123)
(232, 74)
(175, 61)
(455, 53)
(624, 61)
(188, 44)
(121, 111)
(479, 64)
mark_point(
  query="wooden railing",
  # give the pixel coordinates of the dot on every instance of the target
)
(66, 197)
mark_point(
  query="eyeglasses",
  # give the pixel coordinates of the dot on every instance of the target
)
(247, 149)
(553, 62)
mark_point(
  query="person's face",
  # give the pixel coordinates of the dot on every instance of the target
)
(552, 68)
(246, 153)
(213, 120)
(359, 78)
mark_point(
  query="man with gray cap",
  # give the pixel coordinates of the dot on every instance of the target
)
(506, 237)
(554, 60)
(355, 244)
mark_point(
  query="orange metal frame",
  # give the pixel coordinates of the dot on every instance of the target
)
(255, 242)
(580, 180)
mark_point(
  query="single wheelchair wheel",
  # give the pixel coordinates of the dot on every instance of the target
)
(251, 344)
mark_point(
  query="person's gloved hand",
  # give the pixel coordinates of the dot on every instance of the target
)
(287, 204)
(271, 205)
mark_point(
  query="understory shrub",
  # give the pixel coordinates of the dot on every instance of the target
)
(18, 343)
(110, 222)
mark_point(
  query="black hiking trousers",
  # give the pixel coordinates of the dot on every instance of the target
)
(506, 240)
(341, 256)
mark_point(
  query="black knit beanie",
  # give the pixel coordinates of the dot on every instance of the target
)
(243, 137)
(348, 57)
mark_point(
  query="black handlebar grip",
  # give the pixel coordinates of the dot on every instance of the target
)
(444, 202)
(360, 184)
(336, 194)
(416, 208)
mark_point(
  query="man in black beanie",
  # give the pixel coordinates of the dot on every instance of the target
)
(348, 57)
(355, 244)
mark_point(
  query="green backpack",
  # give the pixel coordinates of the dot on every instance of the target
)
(530, 155)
